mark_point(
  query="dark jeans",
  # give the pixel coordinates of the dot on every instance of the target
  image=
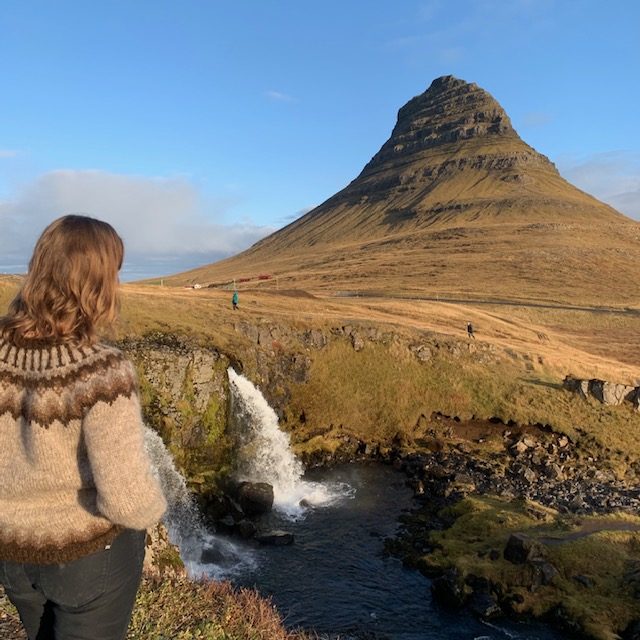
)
(88, 599)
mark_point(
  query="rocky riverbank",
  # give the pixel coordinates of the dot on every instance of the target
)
(519, 524)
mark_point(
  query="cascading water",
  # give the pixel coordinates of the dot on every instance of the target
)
(201, 551)
(264, 453)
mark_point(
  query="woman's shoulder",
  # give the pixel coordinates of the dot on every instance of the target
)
(64, 362)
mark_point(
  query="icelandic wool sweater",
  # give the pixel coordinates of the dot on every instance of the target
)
(73, 468)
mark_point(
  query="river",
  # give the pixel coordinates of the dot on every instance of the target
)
(335, 578)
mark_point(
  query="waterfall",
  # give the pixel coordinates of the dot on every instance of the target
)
(264, 453)
(201, 551)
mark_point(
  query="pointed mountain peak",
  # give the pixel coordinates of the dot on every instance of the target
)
(450, 111)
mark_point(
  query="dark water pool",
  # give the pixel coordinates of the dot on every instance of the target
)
(335, 579)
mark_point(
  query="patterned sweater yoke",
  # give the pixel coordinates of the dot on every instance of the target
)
(73, 468)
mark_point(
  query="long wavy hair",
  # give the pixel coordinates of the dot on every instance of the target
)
(71, 287)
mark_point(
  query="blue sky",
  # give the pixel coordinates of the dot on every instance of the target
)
(198, 126)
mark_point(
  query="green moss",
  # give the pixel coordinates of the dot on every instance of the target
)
(483, 524)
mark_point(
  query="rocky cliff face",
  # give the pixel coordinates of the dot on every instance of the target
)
(448, 112)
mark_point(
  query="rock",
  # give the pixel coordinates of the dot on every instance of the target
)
(570, 383)
(554, 471)
(423, 353)
(585, 581)
(212, 555)
(226, 525)
(356, 341)
(276, 538)
(632, 632)
(255, 498)
(546, 571)
(610, 392)
(463, 447)
(448, 591)
(484, 605)
(315, 338)
(264, 336)
(246, 528)
(521, 548)
(518, 448)
(528, 475)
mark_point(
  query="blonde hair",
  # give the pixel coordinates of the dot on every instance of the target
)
(71, 286)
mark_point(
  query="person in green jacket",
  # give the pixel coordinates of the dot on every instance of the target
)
(234, 300)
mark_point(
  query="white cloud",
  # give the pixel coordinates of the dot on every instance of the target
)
(613, 177)
(8, 153)
(278, 96)
(159, 219)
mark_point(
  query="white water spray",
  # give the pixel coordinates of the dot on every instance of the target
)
(202, 552)
(264, 453)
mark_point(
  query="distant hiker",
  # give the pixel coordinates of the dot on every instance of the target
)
(234, 300)
(470, 330)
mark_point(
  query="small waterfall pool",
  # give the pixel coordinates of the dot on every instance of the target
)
(335, 578)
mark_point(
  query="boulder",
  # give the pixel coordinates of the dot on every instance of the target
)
(520, 548)
(484, 605)
(275, 538)
(545, 572)
(226, 525)
(255, 498)
(609, 392)
(246, 528)
(448, 591)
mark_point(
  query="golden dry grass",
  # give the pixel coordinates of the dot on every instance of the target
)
(586, 343)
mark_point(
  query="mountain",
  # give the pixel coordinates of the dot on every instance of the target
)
(455, 203)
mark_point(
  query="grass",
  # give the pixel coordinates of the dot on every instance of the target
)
(180, 609)
(184, 610)
(484, 523)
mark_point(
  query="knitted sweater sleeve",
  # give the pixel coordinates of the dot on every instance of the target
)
(128, 492)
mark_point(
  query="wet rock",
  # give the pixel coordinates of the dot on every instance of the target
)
(246, 528)
(226, 525)
(448, 591)
(276, 538)
(255, 498)
(484, 605)
(212, 555)
(560, 617)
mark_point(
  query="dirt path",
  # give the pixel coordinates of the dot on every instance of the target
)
(589, 529)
